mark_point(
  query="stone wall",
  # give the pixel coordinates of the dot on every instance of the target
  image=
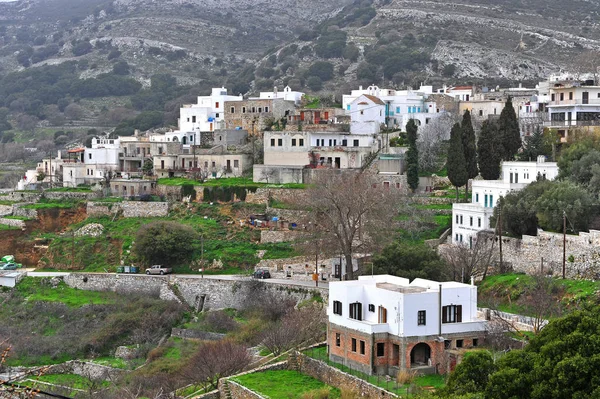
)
(238, 391)
(21, 196)
(196, 334)
(18, 210)
(86, 369)
(525, 255)
(130, 209)
(262, 195)
(268, 236)
(6, 210)
(337, 378)
(200, 293)
(291, 215)
(209, 395)
(13, 222)
(66, 195)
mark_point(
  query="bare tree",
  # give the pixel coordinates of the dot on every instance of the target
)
(587, 63)
(432, 140)
(298, 328)
(266, 174)
(215, 360)
(465, 262)
(352, 210)
(541, 301)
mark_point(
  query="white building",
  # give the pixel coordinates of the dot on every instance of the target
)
(380, 324)
(400, 105)
(469, 219)
(287, 94)
(208, 114)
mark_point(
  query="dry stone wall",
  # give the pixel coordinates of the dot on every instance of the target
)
(262, 195)
(18, 210)
(5, 210)
(13, 222)
(200, 293)
(130, 209)
(337, 378)
(274, 236)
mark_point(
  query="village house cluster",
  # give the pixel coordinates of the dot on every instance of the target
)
(219, 137)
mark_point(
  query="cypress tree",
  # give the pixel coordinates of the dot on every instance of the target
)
(469, 148)
(509, 132)
(412, 156)
(488, 151)
(456, 164)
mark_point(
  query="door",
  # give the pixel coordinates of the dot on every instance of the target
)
(228, 165)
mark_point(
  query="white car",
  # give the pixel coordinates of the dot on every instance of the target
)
(158, 269)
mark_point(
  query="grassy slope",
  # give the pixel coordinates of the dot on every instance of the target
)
(282, 384)
(33, 289)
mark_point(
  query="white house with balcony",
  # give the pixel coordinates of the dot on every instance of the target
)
(469, 219)
(382, 324)
(400, 106)
(208, 114)
(573, 105)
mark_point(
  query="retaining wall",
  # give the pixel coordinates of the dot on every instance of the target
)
(18, 210)
(202, 294)
(5, 210)
(337, 378)
(196, 334)
(130, 209)
(13, 222)
(85, 369)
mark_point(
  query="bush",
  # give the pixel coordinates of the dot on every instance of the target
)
(164, 243)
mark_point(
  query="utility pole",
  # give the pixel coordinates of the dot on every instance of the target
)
(564, 244)
(202, 253)
(316, 276)
(500, 234)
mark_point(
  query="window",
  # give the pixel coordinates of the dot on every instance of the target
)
(475, 342)
(272, 142)
(461, 219)
(206, 164)
(301, 142)
(353, 344)
(478, 222)
(160, 150)
(253, 109)
(421, 318)
(356, 311)
(280, 142)
(330, 142)
(371, 308)
(259, 110)
(344, 143)
(456, 219)
(90, 155)
(570, 95)
(553, 97)
(232, 110)
(236, 163)
(348, 107)
(355, 143)
(190, 164)
(477, 197)
(243, 110)
(194, 119)
(266, 109)
(293, 142)
(398, 185)
(459, 343)
(397, 110)
(362, 112)
(470, 220)
(382, 315)
(337, 307)
(447, 343)
(217, 115)
(214, 164)
(562, 96)
(480, 112)
(452, 314)
(362, 347)
(380, 349)
(491, 201)
(486, 201)
(217, 104)
(338, 339)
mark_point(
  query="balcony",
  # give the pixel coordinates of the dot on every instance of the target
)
(591, 101)
(571, 123)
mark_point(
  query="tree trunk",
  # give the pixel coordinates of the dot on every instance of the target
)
(349, 267)
(456, 193)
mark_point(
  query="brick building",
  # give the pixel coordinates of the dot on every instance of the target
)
(254, 114)
(382, 324)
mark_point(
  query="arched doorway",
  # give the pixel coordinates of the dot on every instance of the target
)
(420, 355)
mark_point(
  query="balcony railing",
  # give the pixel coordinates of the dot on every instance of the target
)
(591, 101)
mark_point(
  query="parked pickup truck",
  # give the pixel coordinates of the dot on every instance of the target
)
(158, 269)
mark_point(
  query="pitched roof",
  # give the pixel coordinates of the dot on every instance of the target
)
(376, 100)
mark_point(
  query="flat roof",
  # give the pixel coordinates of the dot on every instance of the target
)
(401, 288)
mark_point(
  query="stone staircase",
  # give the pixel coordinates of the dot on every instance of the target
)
(226, 391)
(293, 361)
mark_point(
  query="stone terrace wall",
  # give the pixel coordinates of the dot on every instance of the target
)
(85, 369)
(207, 293)
(6, 210)
(13, 222)
(65, 195)
(337, 378)
(130, 209)
(238, 391)
(273, 236)
(18, 210)
(262, 195)
(22, 196)
(196, 334)
(526, 254)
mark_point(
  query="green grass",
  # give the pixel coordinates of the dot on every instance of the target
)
(282, 384)
(436, 381)
(118, 363)
(17, 217)
(6, 227)
(65, 380)
(40, 289)
(52, 204)
(70, 190)
(6, 202)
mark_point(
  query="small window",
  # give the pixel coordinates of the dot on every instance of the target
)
(243, 110)
(371, 308)
(272, 142)
(293, 142)
(90, 155)
(461, 219)
(337, 307)
(480, 112)
(459, 343)
(217, 115)
(447, 344)
(353, 344)
(456, 219)
(475, 342)
(570, 95)
(470, 220)
(355, 143)
(280, 142)
(338, 339)
(194, 119)
(301, 142)
(253, 109)
(452, 313)
(380, 349)
(421, 318)
(478, 222)
(232, 110)
(217, 104)
(236, 163)
(214, 164)
(259, 109)
(362, 347)
(266, 109)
